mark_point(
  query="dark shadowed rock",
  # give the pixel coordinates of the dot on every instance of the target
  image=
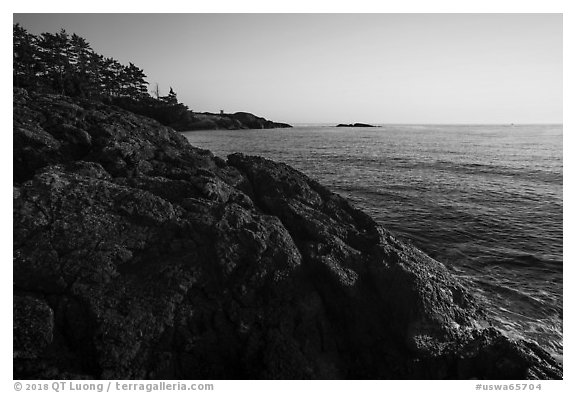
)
(137, 255)
(33, 327)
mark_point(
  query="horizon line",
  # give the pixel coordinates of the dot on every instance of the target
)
(433, 124)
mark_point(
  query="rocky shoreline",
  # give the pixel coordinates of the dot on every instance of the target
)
(227, 121)
(138, 256)
(178, 117)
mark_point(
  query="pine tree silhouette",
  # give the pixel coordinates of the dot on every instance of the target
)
(67, 64)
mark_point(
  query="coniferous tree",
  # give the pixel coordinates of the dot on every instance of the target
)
(95, 74)
(68, 65)
(139, 80)
(54, 55)
(25, 57)
(135, 82)
(80, 59)
(171, 98)
(111, 77)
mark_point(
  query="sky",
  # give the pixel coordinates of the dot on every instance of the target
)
(340, 68)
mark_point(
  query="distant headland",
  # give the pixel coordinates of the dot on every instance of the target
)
(229, 121)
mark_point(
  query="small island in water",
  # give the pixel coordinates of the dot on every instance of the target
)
(355, 125)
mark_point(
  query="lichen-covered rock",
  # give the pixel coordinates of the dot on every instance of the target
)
(33, 327)
(139, 256)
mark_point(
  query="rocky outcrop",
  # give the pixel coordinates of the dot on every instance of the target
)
(178, 117)
(137, 255)
(355, 125)
(232, 121)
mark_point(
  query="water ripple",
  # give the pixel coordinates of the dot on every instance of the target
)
(485, 200)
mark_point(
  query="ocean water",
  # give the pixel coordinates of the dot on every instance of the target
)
(486, 200)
